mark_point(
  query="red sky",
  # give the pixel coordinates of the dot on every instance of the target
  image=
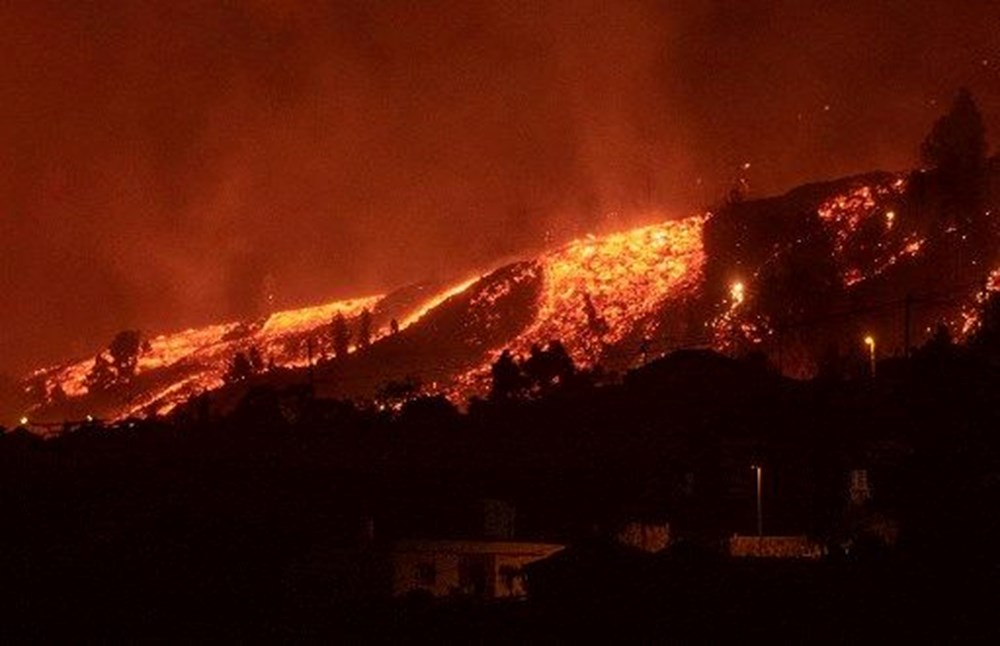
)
(160, 158)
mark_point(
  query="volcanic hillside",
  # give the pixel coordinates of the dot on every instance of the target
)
(800, 278)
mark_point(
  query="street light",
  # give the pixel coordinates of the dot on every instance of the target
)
(870, 342)
(760, 508)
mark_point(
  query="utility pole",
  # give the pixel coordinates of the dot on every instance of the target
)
(760, 506)
(781, 347)
(907, 314)
(870, 342)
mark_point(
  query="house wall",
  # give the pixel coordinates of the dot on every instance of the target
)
(786, 547)
(435, 572)
(490, 569)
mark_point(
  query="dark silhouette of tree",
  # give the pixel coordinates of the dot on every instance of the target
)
(341, 336)
(597, 325)
(119, 369)
(58, 395)
(508, 380)
(240, 369)
(365, 329)
(956, 149)
(560, 358)
(394, 326)
(434, 412)
(957, 141)
(102, 375)
(939, 348)
(244, 365)
(986, 339)
(124, 349)
(396, 392)
(548, 367)
(256, 359)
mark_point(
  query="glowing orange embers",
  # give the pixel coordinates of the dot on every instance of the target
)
(970, 317)
(868, 233)
(734, 329)
(844, 213)
(993, 281)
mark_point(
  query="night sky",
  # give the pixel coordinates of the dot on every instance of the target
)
(160, 159)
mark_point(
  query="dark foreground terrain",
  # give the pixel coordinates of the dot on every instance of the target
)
(246, 526)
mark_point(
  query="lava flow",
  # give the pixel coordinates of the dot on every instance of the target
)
(597, 291)
(864, 225)
(725, 281)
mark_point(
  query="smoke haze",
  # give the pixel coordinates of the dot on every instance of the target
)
(162, 160)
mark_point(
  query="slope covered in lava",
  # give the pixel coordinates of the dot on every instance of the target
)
(799, 279)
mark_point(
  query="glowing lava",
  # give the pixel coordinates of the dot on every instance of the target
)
(607, 299)
(866, 231)
(173, 367)
(597, 292)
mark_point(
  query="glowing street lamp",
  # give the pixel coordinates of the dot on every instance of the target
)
(23, 421)
(870, 342)
(737, 292)
(760, 508)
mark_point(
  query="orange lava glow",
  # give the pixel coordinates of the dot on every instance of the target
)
(596, 292)
(970, 318)
(436, 300)
(604, 298)
(625, 276)
(733, 329)
(848, 218)
(194, 360)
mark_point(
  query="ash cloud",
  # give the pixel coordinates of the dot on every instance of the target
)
(160, 159)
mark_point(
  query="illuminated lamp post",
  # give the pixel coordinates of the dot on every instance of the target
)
(870, 342)
(760, 507)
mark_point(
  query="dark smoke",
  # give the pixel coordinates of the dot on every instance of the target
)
(160, 159)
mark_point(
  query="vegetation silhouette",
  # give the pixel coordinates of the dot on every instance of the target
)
(340, 336)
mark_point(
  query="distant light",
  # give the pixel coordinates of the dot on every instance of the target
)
(90, 418)
(24, 421)
(737, 292)
(870, 342)
(746, 165)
